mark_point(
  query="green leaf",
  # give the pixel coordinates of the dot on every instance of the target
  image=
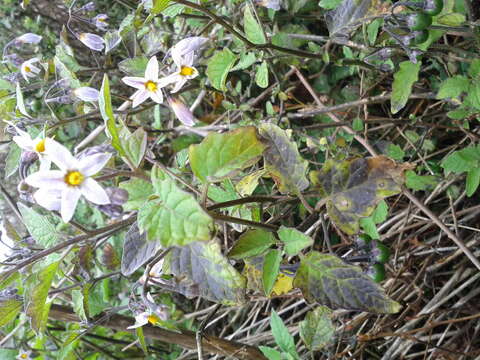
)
(246, 60)
(294, 240)
(474, 69)
(462, 160)
(21, 102)
(473, 97)
(473, 180)
(37, 286)
(395, 152)
(136, 250)
(141, 340)
(134, 144)
(261, 77)
(283, 161)
(352, 188)
(452, 19)
(403, 81)
(251, 243)
(9, 309)
(65, 73)
(134, 66)
(200, 269)
(270, 353)
(219, 66)
(369, 227)
(271, 267)
(13, 159)
(280, 333)
(420, 182)
(329, 4)
(105, 105)
(220, 156)
(317, 329)
(138, 190)
(380, 213)
(174, 217)
(253, 30)
(159, 6)
(79, 305)
(453, 87)
(42, 230)
(329, 281)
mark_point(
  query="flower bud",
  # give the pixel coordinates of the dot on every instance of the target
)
(28, 38)
(181, 111)
(270, 4)
(88, 7)
(100, 21)
(98, 149)
(86, 93)
(91, 41)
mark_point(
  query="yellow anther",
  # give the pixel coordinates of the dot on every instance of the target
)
(74, 178)
(151, 85)
(40, 147)
(153, 319)
(27, 69)
(186, 71)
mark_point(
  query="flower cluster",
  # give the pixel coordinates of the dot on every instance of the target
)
(27, 69)
(150, 86)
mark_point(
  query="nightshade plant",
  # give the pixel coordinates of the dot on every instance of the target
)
(206, 183)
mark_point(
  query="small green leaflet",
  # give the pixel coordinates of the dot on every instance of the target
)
(282, 336)
(328, 280)
(453, 87)
(105, 105)
(218, 68)
(134, 144)
(37, 286)
(139, 191)
(473, 180)
(317, 329)
(42, 230)
(21, 102)
(403, 81)
(159, 6)
(134, 66)
(271, 268)
(13, 159)
(465, 160)
(253, 30)
(420, 182)
(261, 77)
(283, 161)
(329, 4)
(294, 240)
(251, 243)
(200, 269)
(173, 216)
(220, 156)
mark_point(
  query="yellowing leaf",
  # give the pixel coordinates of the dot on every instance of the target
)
(328, 280)
(220, 156)
(283, 161)
(200, 269)
(354, 187)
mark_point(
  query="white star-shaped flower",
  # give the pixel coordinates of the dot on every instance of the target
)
(61, 189)
(183, 55)
(39, 145)
(153, 315)
(24, 355)
(149, 86)
(29, 70)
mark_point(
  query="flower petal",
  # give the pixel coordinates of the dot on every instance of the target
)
(179, 84)
(151, 72)
(25, 142)
(90, 165)
(157, 96)
(48, 198)
(139, 97)
(134, 81)
(94, 192)
(172, 78)
(60, 155)
(70, 197)
(53, 179)
(45, 163)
